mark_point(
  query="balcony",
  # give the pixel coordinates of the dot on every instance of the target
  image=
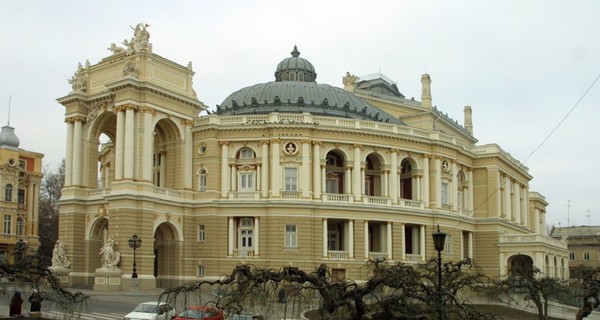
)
(338, 255)
(248, 195)
(243, 253)
(378, 256)
(531, 239)
(337, 197)
(412, 258)
(377, 201)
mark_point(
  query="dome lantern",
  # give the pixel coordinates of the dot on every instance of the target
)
(295, 68)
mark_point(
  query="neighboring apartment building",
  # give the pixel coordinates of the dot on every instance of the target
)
(20, 178)
(583, 243)
(285, 173)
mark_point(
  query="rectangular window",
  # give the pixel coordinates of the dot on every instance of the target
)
(331, 185)
(246, 181)
(202, 181)
(246, 239)
(444, 193)
(201, 233)
(7, 224)
(572, 256)
(290, 236)
(21, 197)
(586, 256)
(200, 271)
(20, 227)
(448, 244)
(291, 178)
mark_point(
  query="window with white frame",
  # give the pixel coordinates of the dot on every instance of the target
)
(21, 197)
(200, 272)
(246, 153)
(572, 256)
(246, 233)
(202, 180)
(291, 237)
(586, 256)
(8, 192)
(448, 244)
(7, 224)
(246, 181)
(291, 179)
(20, 227)
(201, 233)
(444, 190)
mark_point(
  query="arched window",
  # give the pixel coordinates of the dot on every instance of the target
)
(292, 76)
(8, 192)
(246, 153)
(202, 180)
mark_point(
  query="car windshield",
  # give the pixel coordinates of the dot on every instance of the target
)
(146, 308)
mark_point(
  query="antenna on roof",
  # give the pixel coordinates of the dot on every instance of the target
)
(9, 100)
(588, 215)
(568, 213)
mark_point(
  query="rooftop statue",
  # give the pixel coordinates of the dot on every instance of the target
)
(140, 41)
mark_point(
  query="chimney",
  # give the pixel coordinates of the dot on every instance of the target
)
(426, 91)
(468, 119)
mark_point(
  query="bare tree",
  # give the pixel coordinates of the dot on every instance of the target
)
(589, 283)
(50, 191)
(536, 287)
(395, 291)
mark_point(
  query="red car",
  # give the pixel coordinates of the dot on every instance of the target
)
(200, 312)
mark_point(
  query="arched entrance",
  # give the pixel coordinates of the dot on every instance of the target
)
(167, 254)
(520, 265)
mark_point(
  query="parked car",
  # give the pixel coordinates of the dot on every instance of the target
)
(200, 312)
(152, 310)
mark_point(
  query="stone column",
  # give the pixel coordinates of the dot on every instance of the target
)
(231, 236)
(469, 201)
(120, 143)
(256, 236)
(516, 202)
(264, 180)
(389, 245)
(325, 239)
(356, 174)
(470, 245)
(394, 176)
(225, 182)
(347, 180)
(422, 242)
(403, 235)
(148, 144)
(69, 153)
(438, 182)
(305, 170)
(453, 188)
(77, 151)
(425, 181)
(366, 239)
(188, 171)
(507, 213)
(275, 170)
(129, 149)
(351, 239)
(316, 170)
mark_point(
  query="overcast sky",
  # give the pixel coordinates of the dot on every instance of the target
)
(521, 65)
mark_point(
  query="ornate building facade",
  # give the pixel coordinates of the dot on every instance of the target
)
(20, 177)
(284, 173)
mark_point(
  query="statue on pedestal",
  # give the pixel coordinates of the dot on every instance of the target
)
(110, 257)
(59, 256)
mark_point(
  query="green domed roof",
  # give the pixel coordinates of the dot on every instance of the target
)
(300, 95)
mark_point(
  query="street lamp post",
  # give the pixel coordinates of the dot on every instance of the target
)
(134, 242)
(438, 241)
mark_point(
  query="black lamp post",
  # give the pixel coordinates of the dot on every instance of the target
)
(438, 242)
(134, 243)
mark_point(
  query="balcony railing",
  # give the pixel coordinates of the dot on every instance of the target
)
(249, 195)
(290, 195)
(531, 239)
(377, 201)
(243, 253)
(337, 197)
(412, 203)
(378, 256)
(413, 257)
(338, 255)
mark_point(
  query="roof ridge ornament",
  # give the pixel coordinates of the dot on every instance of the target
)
(295, 53)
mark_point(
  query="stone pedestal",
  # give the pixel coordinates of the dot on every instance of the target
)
(107, 279)
(63, 275)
